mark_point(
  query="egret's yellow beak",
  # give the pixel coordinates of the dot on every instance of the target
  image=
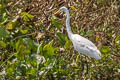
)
(57, 12)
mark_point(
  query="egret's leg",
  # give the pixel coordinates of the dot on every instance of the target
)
(82, 63)
(86, 67)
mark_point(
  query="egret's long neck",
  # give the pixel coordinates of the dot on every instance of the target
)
(68, 24)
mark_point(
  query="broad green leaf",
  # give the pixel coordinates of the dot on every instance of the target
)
(3, 33)
(26, 16)
(11, 25)
(10, 70)
(68, 44)
(56, 23)
(105, 49)
(21, 52)
(32, 71)
(24, 31)
(28, 51)
(62, 38)
(31, 44)
(48, 49)
(30, 26)
(22, 47)
(20, 41)
(3, 44)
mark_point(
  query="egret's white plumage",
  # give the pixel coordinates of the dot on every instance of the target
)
(81, 44)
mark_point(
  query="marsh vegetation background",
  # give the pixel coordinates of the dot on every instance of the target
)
(34, 43)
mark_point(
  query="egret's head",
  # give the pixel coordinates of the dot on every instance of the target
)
(63, 9)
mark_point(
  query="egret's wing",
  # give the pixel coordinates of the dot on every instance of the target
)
(83, 42)
(85, 46)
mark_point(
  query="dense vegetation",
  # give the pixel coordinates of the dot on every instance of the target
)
(34, 43)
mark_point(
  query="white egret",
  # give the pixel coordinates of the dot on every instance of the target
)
(81, 44)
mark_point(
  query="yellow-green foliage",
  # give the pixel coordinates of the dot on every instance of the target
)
(34, 43)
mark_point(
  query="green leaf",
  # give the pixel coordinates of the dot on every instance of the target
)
(24, 31)
(11, 25)
(62, 38)
(26, 16)
(3, 33)
(117, 41)
(18, 43)
(33, 61)
(10, 70)
(31, 44)
(90, 32)
(32, 71)
(3, 19)
(82, 32)
(3, 44)
(48, 49)
(21, 49)
(105, 49)
(56, 23)
(68, 44)
(30, 26)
